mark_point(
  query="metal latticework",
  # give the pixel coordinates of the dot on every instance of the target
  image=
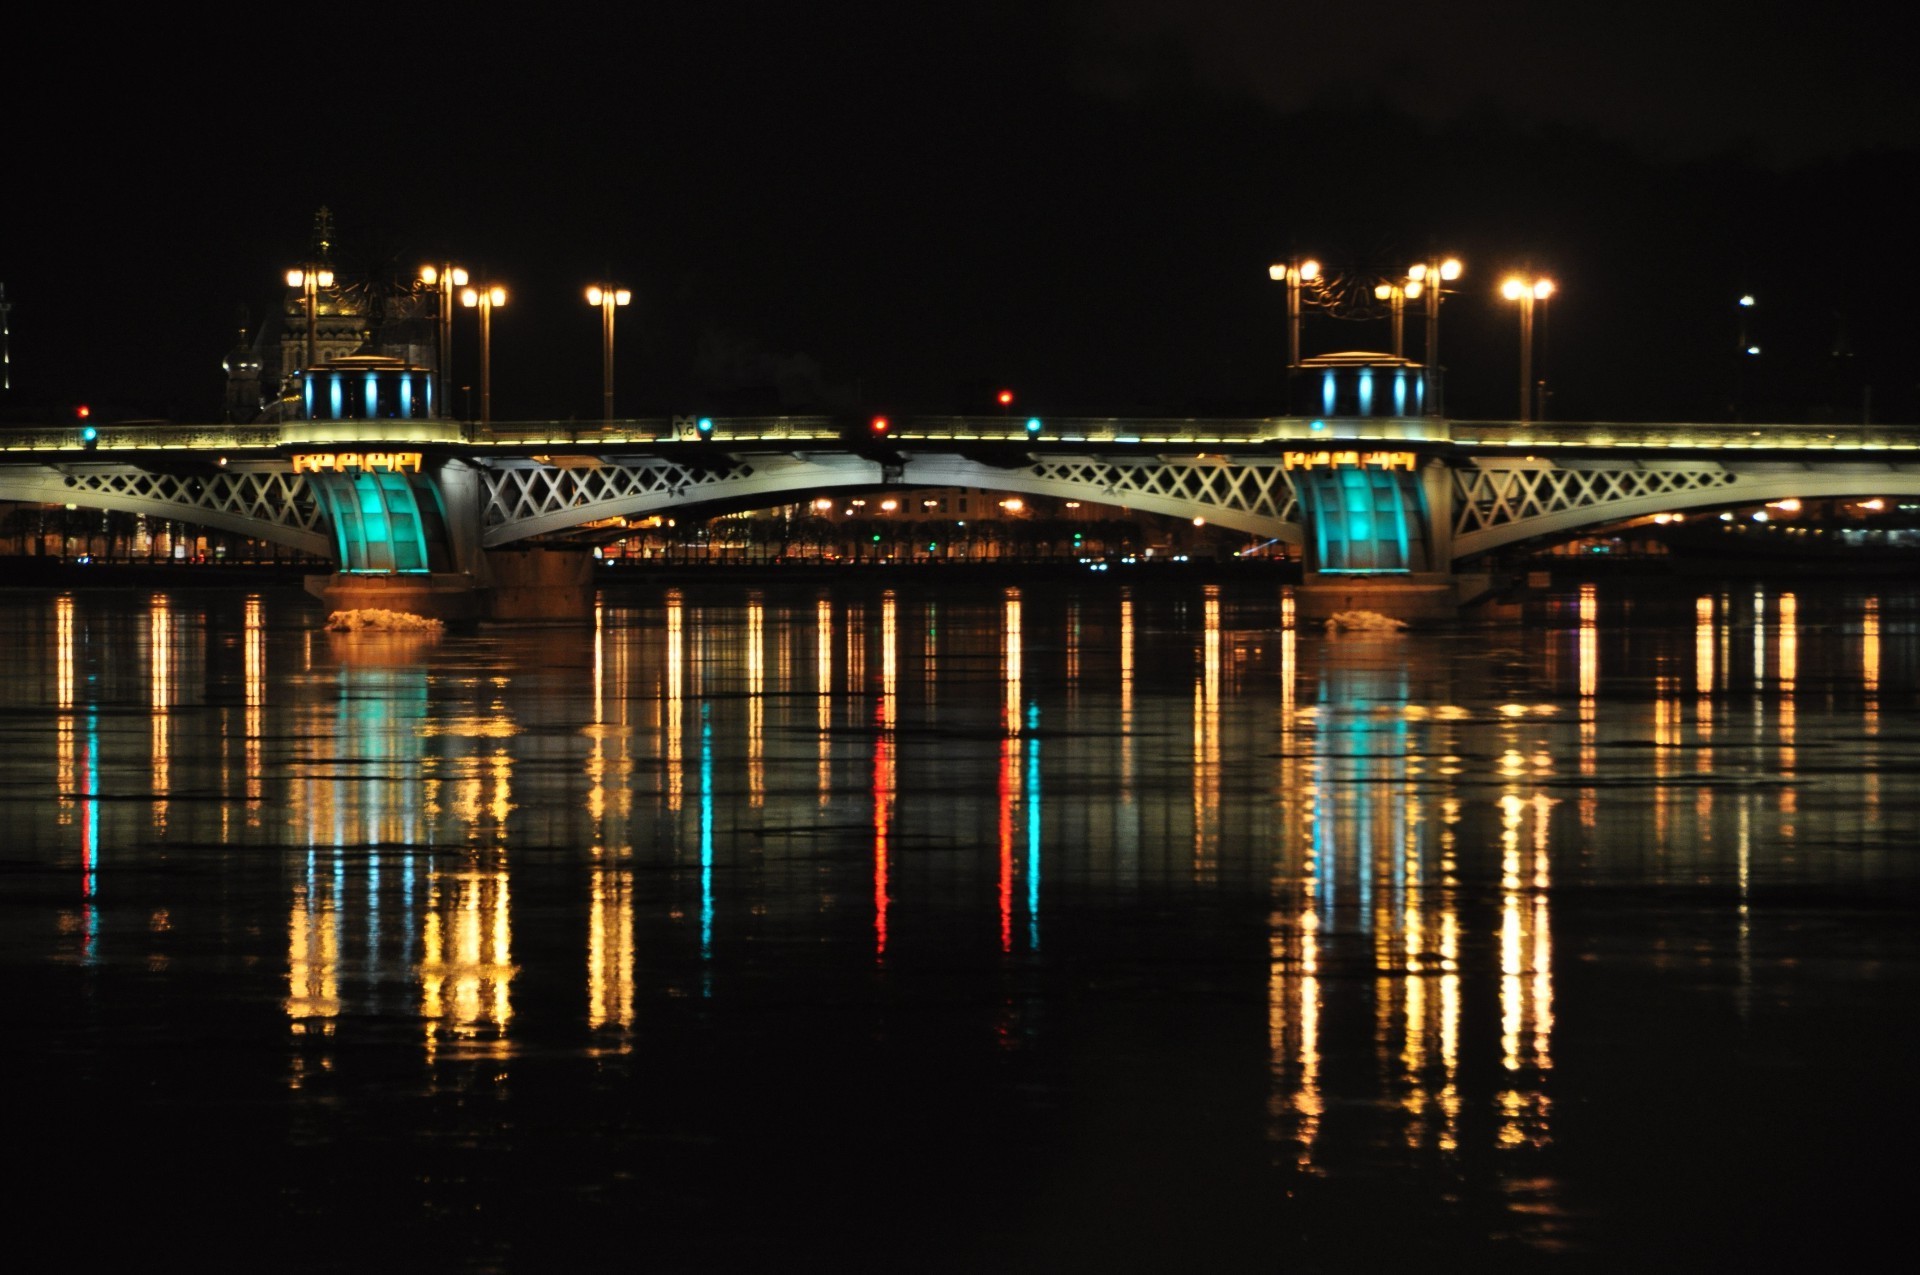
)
(552, 498)
(280, 500)
(1259, 491)
(1490, 497)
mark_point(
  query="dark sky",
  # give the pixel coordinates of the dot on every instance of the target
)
(900, 205)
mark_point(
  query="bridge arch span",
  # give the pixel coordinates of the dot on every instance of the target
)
(1500, 503)
(262, 502)
(521, 501)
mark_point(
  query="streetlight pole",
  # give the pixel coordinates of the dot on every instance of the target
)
(310, 279)
(1526, 292)
(486, 300)
(1432, 278)
(443, 280)
(1294, 273)
(608, 298)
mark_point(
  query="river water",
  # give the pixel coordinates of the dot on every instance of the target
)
(951, 927)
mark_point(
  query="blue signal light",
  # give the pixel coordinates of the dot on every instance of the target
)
(705, 426)
(1033, 424)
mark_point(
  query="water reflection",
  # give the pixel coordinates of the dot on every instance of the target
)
(502, 844)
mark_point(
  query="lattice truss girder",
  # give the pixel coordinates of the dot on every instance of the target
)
(1255, 496)
(261, 503)
(1535, 499)
(520, 502)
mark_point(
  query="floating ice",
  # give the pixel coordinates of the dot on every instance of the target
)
(374, 618)
(1363, 620)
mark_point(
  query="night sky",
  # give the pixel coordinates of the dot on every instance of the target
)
(880, 208)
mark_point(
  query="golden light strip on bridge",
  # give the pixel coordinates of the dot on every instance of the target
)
(1351, 460)
(340, 462)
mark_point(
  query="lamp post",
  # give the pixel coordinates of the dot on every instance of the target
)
(310, 279)
(1433, 277)
(1526, 292)
(1397, 292)
(1295, 274)
(486, 300)
(443, 280)
(609, 299)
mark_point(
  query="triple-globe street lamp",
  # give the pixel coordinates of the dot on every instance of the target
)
(608, 298)
(310, 279)
(486, 300)
(1527, 291)
(443, 279)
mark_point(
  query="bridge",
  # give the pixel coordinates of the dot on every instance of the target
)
(442, 517)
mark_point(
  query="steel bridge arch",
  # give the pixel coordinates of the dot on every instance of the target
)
(1499, 503)
(260, 501)
(519, 501)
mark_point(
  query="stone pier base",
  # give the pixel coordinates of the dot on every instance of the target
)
(450, 597)
(527, 586)
(541, 584)
(1422, 598)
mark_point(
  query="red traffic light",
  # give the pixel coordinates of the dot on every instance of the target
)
(83, 411)
(1006, 398)
(879, 425)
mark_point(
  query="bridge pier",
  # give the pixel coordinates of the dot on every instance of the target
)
(522, 585)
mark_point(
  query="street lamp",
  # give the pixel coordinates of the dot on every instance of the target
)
(443, 280)
(486, 300)
(1294, 274)
(1433, 278)
(310, 279)
(1397, 292)
(1526, 292)
(608, 299)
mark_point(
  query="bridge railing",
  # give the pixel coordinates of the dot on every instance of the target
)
(785, 431)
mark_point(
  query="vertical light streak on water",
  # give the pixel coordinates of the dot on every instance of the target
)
(756, 704)
(1542, 954)
(1008, 794)
(1511, 1005)
(254, 689)
(1129, 801)
(1870, 663)
(1703, 646)
(1073, 654)
(90, 840)
(823, 682)
(675, 689)
(160, 677)
(1589, 657)
(1788, 663)
(1743, 942)
(1010, 662)
(930, 657)
(885, 712)
(1206, 743)
(706, 842)
(610, 968)
(1308, 1101)
(1449, 1139)
(1032, 798)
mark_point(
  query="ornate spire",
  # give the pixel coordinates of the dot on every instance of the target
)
(323, 236)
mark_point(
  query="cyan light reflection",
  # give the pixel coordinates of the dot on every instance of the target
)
(1032, 797)
(706, 839)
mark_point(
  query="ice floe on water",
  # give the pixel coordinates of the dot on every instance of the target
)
(374, 619)
(1363, 620)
